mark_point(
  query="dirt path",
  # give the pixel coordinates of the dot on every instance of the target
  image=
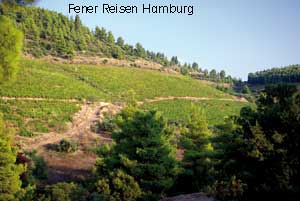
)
(71, 166)
(157, 99)
(78, 165)
(78, 129)
(70, 100)
(89, 113)
(86, 116)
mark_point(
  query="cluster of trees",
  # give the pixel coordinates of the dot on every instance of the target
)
(47, 32)
(214, 76)
(254, 156)
(50, 33)
(198, 73)
(259, 149)
(289, 74)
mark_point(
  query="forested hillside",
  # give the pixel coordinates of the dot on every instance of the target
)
(289, 74)
(51, 33)
(48, 32)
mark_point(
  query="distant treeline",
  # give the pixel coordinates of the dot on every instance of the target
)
(289, 74)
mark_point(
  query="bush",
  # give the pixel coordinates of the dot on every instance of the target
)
(91, 99)
(24, 132)
(119, 186)
(184, 71)
(108, 123)
(229, 190)
(67, 146)
(39, 167)
(65, 192)
(105, 61)
(246, 90)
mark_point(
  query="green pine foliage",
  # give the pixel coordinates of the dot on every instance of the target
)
(197, 164)
(246, 90)
(11, 41)
(50, 33)
(260, 148)
(288, 74)
(63, 192)
(10, 183)
(142, 150)
(118, 186)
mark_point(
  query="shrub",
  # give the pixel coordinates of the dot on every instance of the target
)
(39, 169)
(25, 132)
(10, 182)
(229, 190)
(107, 124)
(67, 146)
(118, 186)
(105, 61)
(65, 192)
(91, 99)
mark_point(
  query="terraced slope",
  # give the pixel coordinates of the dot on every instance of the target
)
(64, 81)
(46, 95)
(215, 110)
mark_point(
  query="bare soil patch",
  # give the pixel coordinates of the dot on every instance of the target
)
(77, 165)
(190, 197)
(157, 99)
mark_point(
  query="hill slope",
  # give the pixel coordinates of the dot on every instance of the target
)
(64, 81)
(50, 33)
(46, 95)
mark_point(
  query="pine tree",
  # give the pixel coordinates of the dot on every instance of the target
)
(110, 38)
(101, 34)
(120, 42)
(142, 150)
(195, 66)
(77, 23)
(213, 74)
(10, 183)
(10, 49)
(222, 74)
(140, 51)
(197, 164)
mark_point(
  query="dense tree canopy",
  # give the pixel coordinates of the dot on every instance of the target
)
(287, 74)
(47, 32)
(143, 151)
(261, 148)
(10, 183)
(20, 2)
(10, 49)
(197, 165)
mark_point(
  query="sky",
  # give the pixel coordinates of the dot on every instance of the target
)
(239, 36)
